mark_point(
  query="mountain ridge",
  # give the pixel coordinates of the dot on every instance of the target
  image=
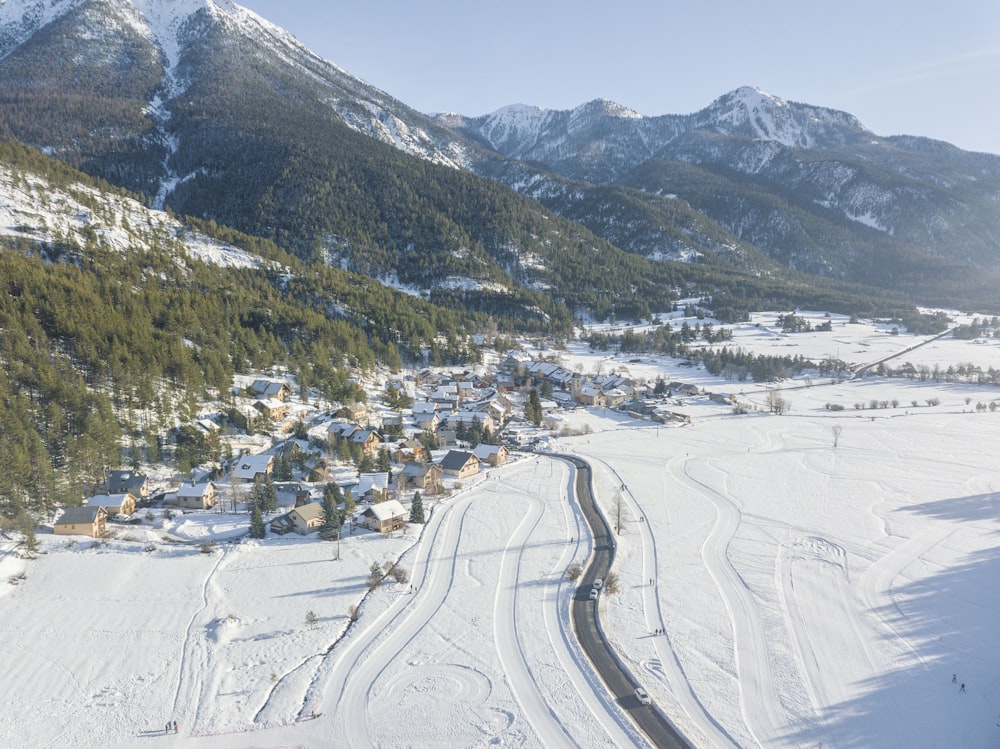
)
(213, 111)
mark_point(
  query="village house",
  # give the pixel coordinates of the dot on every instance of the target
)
(353, 411)
(304, 519)
(337, 430)
(248, 469)
(460, 464)
(423, 407)
(392, 420)
(494, 455)
(424, 476)
(465, 420)
(195, 496)
(136, 484)
(272, 408)
(589, 395)
(368, 440)
(682, 388)
(81, 521)
(428, 421)
(384, 517)
(407, 450)
(373, 487)
(271, 389)
(307, 518)
(614, 397)
(114, 504)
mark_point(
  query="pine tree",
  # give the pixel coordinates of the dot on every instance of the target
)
(534, 410)
(417, 509)
(283, 468)
(257, 529)
(270, 496)
(375, 576)
(332, 519)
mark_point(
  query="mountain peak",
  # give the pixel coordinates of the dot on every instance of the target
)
(752, 112)
(607, 108)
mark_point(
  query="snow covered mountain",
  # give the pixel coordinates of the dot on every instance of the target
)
(808, 186)
(207, 108)
(151, 52)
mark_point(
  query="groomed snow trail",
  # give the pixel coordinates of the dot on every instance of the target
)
(506, 620)
(760, 704)
(526, 587)
(347, 691)
(667, 667)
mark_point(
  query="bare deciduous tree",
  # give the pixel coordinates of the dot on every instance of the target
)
(612, 586)
(776, 402)
(837, 430)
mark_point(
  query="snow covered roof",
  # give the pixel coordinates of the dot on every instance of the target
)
(368, 481)
(387, 510)
(484, 451)
(108, 500)
(248, 466)
(195, 490)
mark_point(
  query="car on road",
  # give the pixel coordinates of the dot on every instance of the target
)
(643, 696)
(593, 594)
(598, 583)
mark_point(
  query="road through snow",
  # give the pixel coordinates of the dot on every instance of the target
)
(509, 542)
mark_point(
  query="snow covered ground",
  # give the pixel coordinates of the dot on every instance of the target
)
(810, 593)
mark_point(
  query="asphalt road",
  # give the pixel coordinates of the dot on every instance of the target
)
(585, 615)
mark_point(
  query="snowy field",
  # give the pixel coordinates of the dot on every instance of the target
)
(820, 576)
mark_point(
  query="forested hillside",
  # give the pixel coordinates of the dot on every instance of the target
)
(100, 343)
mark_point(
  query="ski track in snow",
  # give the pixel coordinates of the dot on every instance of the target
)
(826, 640)
(349, 686)
(760, 704)
(194, 657)
(546, 724)
(667, 666)
(346, 683)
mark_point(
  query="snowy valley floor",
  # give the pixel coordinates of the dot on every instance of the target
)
(810, 595)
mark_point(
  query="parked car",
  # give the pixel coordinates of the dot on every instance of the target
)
(643, 696)
(593, 594)
(598, 583)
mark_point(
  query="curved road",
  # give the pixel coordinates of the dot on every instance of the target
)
(587, 626)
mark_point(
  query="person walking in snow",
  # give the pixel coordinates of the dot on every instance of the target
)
(962, 688)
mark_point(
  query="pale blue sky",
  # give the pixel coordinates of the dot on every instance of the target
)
(914, 67)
